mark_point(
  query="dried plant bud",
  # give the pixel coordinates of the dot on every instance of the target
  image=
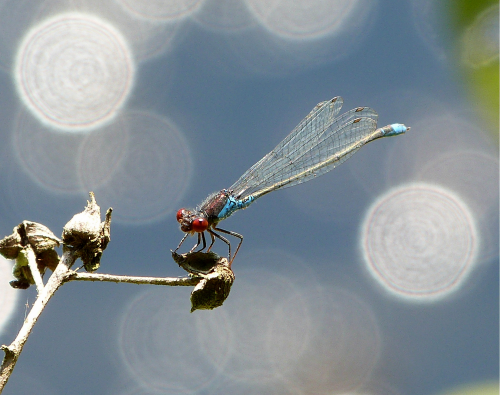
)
(38, 236)
(213, 289)
(84, 227)
(30, 233)
(217, 278)
(197, 262)
(11, 245)
(87, 235)
(33, 236)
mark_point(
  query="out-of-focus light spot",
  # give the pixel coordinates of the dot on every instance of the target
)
(448, 133)
(486, 388)
(481, 39)
(73, 71)
(473, 175)
(468, 40)
(251, 309)
(159, 341)
(161, 9)
(231, 387)
(147, 38)
(272, 49)
(224, 15)
(272, 335)
(470, 49)
(47, 155)
(127, 389)
(339, 349)
(419, 241)
(23, 196)
(294, 337)
(375, 387)
(102, 153)
(461, 159)
(10, 295)
(140, 168)
(304, 18)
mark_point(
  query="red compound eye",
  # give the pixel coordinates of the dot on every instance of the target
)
(199, 224)
(180, 214)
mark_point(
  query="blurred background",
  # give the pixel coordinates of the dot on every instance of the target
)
(379, 278)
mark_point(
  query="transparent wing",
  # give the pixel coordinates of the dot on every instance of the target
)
(319, 143)
(322, 115)
(318, 119)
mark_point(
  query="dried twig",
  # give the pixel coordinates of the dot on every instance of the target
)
(172, 281)
(85, 237)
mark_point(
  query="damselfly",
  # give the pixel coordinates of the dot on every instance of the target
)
(320, 142)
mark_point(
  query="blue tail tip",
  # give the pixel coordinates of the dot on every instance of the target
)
(397, 128)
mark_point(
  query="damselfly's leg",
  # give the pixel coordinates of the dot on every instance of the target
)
(182, 241)
(203, 241)
(223, 239)
(198, 243)
(212, 243)
(229, 232)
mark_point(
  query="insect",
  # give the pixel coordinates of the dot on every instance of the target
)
(319, 143)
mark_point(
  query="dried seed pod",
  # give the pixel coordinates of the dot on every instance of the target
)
(213, 289)
(197, 262)
(30, 233)
(11, 245)
(87, 235)
(39, 236)
(84, 227)
(216, 278)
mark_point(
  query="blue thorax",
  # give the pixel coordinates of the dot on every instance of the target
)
(233, 204)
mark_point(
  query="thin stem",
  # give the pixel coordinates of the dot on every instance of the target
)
(35, 272)
(61, 275)
(172, 281)
(13, 351)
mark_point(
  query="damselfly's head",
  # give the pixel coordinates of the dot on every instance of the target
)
(191, 222)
